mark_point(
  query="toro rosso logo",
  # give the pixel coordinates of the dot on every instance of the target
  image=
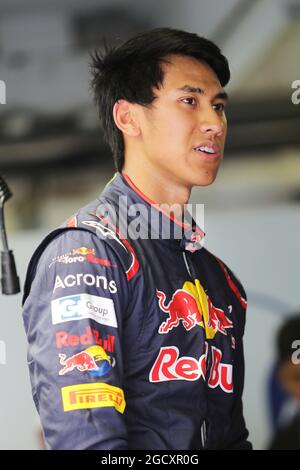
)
(169, 366)
(191, 306)
(79, 255)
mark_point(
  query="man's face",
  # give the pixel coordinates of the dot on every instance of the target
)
(188, 113)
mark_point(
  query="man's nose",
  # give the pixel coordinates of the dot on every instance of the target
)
(211, 122)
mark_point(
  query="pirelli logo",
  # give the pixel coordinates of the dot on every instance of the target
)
(92, 395)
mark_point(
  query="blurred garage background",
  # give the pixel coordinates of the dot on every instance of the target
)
(54, 159)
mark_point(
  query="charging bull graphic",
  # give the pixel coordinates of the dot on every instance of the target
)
(191, 306)
(81, 361)
(182, 307)
(93, 360)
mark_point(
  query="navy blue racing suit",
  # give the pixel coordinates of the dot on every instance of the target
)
(134, 342)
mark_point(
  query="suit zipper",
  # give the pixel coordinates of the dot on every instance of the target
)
(186, 264)
(203, 434)
(203, 429)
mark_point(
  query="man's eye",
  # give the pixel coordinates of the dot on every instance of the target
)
(219, 107)
(189, 100)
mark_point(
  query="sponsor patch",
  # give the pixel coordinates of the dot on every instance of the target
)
(93, 360)
(80, 255)
(79, 279)
(80, 306)
(169, 366)
(92, 395)
(191, 306)
(63, 339)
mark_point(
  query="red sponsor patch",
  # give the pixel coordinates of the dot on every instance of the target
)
(90, 336)
(169, 366)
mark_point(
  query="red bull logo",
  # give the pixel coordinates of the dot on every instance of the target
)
(182, 307)
(169, 366)
(83, 250)
(89, 336)
(93, 360)
(191, 306)
(217, 318)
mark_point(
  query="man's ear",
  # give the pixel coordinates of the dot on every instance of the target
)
(125, 118)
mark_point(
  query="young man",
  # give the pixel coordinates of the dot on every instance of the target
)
(135, 330)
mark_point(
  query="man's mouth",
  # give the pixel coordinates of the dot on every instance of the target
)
(209, 149)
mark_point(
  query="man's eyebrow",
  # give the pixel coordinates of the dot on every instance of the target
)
(191, 89)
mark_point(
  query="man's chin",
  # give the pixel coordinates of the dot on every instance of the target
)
(205, 179)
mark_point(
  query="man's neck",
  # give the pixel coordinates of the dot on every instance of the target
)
(159, 188)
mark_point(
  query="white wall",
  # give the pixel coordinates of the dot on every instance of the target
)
(19, 423)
